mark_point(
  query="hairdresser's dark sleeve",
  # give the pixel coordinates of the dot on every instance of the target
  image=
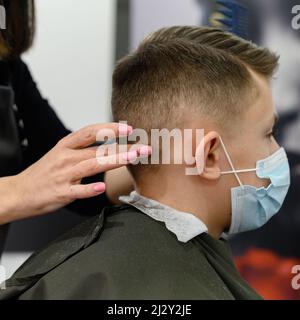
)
(43, 129)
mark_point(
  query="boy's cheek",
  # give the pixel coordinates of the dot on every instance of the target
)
(253, 180)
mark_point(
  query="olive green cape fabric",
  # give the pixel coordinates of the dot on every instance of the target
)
(125, 254)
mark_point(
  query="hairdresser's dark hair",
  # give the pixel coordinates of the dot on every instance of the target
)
(18, 35)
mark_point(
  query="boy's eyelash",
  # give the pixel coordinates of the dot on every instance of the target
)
(273, 132)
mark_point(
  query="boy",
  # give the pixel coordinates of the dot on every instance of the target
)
(166, 241)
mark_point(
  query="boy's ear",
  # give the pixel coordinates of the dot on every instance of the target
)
(208, 153)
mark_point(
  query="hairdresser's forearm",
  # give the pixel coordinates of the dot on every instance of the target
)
(9, 206)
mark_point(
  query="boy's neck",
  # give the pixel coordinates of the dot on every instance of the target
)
(185, 201)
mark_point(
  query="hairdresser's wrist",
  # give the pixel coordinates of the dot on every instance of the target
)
(9, 199)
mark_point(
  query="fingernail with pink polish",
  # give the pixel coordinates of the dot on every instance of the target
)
(125, 129)
(99, 187)
(132, 155)
(145, 150)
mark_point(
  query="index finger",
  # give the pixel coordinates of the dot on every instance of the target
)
(93, 133)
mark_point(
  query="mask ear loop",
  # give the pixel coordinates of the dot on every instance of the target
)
(231, 164)
(239, 171)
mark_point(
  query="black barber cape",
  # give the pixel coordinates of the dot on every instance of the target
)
(125, 254)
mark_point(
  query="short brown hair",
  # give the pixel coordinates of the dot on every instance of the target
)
(204, 68)
(180, 71)
(260, 59)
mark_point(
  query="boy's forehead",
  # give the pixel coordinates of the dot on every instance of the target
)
(262, 113)
(262, 110)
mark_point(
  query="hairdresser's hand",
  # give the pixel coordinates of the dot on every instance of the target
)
(55, 180)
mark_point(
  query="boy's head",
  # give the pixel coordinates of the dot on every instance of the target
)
(199, 78)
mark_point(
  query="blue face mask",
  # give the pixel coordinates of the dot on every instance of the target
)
(252, 207)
